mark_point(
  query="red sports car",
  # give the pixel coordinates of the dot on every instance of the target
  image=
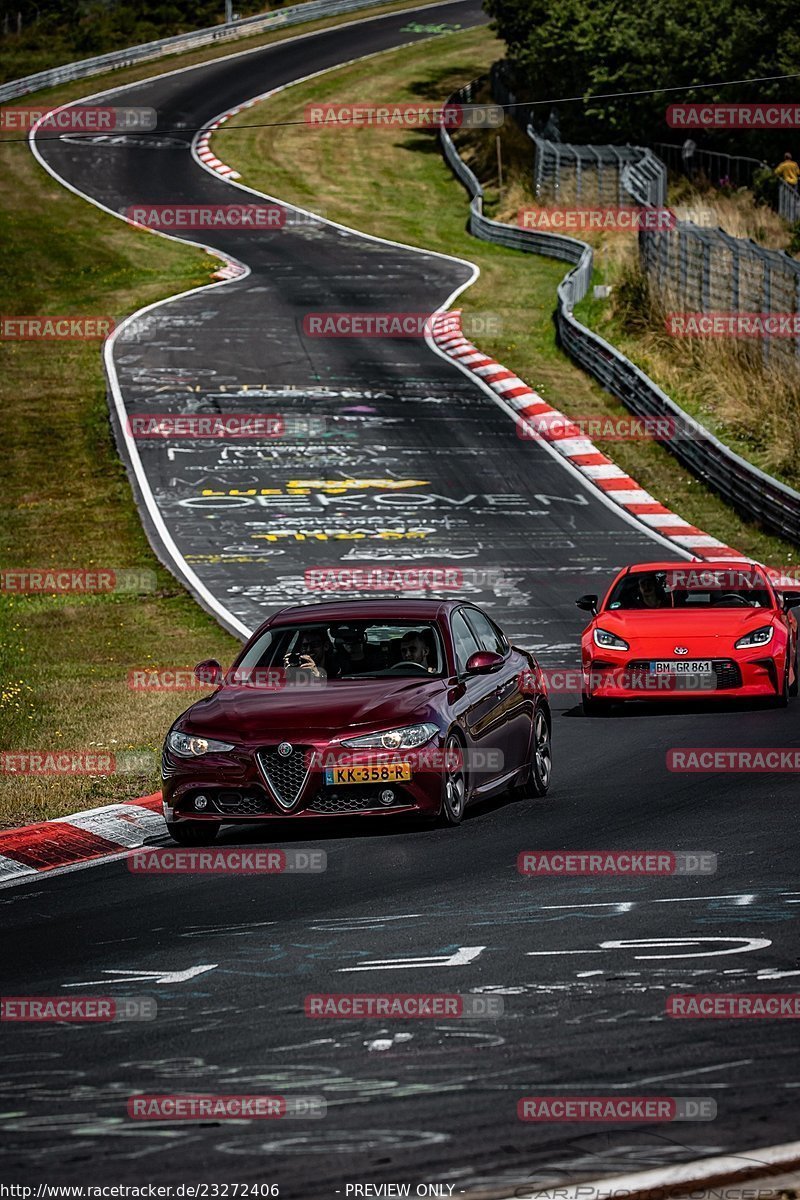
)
(359, 707)
(671, 630)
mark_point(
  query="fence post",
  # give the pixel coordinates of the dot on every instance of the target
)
(735, 276)
(705, 280)
(766, 306)
(620, 185)
(662, 269)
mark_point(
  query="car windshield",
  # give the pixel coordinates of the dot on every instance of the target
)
(690, 588)
(342, 650)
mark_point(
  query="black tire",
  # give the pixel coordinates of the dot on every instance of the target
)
(793, 687)
(193, 833)
(592, 707)
(542, 761)
(454, 783)
(782, 699)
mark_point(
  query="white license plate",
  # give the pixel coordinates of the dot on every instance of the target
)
(689, 666)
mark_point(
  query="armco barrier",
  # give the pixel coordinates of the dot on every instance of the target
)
(788, 202)
(597, 174)
(750, 491)
(179, 43)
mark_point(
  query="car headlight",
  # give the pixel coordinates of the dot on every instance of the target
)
(406, 738)
(609, 641)
(189, 745)
(756, 637)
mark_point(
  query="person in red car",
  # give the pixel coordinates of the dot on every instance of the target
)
(309, 656)
(357, 656)
(651, 592)
(415, 649)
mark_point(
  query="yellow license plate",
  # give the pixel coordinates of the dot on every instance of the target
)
(391, 773)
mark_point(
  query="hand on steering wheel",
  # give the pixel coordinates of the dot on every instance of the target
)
(736, 597)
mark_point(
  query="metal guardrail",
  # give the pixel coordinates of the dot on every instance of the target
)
(788, 202)
(582, 173)
(180, 42)
(750, 491)
(716, 166)
(645, 178)
(694, 269)
(708, 270)
(551, 245)
(598, 174)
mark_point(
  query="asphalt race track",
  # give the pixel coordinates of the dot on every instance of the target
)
(583, 965)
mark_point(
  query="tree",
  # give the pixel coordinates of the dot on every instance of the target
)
(586, 48)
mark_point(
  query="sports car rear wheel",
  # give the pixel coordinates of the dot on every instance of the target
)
(454, 783)
(193, 833)
(793, 686)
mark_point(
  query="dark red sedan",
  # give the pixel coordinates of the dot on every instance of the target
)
(360, 707)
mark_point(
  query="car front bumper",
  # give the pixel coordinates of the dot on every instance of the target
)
(239, 786)
(733, 677)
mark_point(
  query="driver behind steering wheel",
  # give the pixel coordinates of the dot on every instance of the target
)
(414, 648)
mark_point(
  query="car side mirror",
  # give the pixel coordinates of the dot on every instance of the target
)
(791, 599)
(483, 662)
(208, 671)
(588, 603)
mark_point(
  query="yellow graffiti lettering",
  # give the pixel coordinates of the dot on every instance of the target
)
(338, 486)
(349, 535)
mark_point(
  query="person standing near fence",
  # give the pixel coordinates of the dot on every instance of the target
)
(788, 170)
(687, 157)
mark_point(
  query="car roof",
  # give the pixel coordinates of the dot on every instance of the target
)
(691, 564)
(363, 610)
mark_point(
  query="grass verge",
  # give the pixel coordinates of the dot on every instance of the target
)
(394, 183)
(66, 502)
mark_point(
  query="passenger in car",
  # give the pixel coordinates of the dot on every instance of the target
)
(356, 655)
(309, 658)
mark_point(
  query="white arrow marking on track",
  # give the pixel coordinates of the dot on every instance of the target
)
(464, 954)
(743, 945)
(146, 976)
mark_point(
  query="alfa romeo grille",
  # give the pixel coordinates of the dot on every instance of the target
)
(286, 774)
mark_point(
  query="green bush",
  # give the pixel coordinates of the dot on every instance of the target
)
(590, 48)
(765, 187)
